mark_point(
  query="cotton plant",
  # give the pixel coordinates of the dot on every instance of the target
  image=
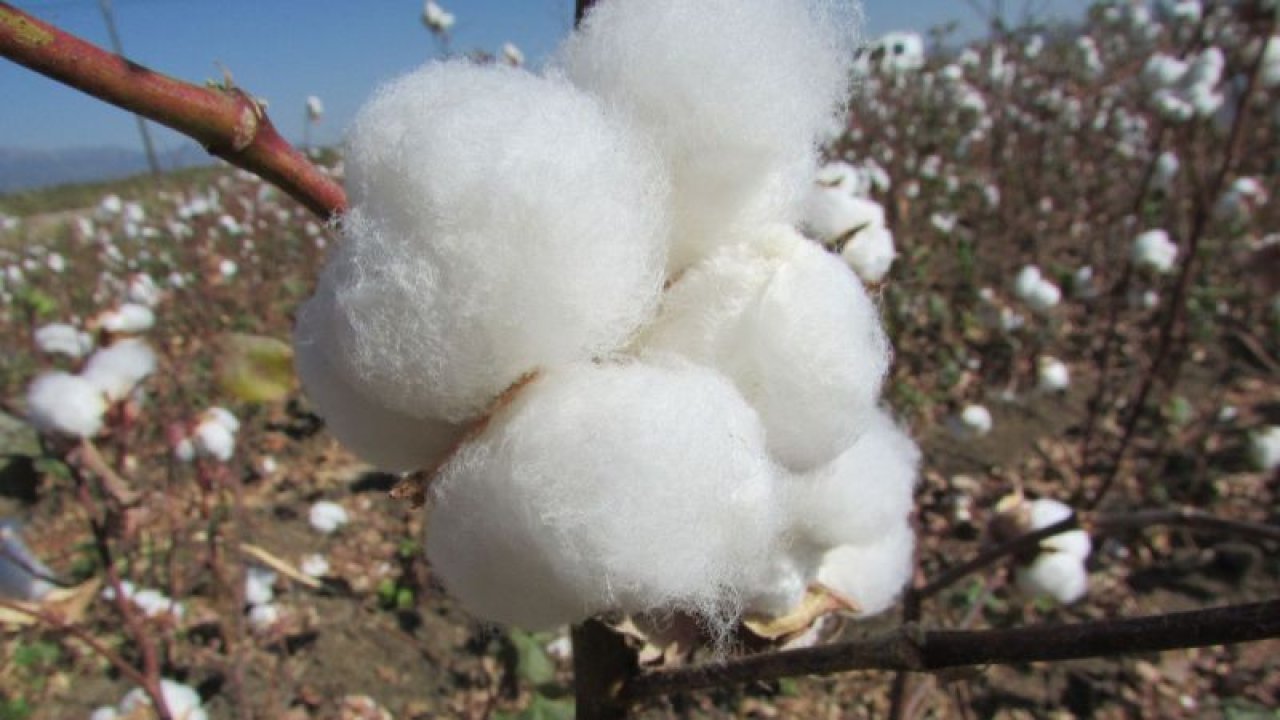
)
(679, 414)
(850, 222)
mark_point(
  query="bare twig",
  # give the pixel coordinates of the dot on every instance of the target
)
(58, 623)
(226, 120)
(912, 648)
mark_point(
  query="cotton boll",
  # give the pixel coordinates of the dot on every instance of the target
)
(1045, 512)
(128, 318)
(143, 290)
(1026, 281)
(1264, 448)
(66, 404)
(394, 442)
(1052, 375)
(470, 257)
(327, 516)
(831, 214)
(1060, 576)
(861, 494)
(795, 331)
(1154, 250)
(872, 575)
(630, 487)
(1269, 71)
(213, 439)
(115, 370)
(183, 701)
(258, 585)
(870, 253)
(63, 339)
(315, 565)
(22, 574)
(1038, 293)
(974, 421)
(223, 417)
(734, 93)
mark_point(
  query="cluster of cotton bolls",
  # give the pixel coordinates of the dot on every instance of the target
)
(182, 701)
(1038, 292)
(153, 603)
(74, 404)
(212, 434)
(1153, 250)
(839, 214)
(1058, 569)
(680, 391)
(1185, 89)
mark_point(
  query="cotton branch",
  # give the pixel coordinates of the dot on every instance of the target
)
(225, 120)
(913, 649)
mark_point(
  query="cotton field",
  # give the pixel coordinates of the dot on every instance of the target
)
(726, 325)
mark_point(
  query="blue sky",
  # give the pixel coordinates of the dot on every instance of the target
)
(339, 50)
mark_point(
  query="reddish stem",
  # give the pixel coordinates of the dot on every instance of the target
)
(226, 120)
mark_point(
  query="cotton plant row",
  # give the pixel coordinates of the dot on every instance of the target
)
(581, 298)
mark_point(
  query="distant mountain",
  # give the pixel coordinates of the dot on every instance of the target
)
(22, 169)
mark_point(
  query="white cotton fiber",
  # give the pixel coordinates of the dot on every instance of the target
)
(793, 328)
(118, 368)
(63, 339)
(1061, 576)
(500, 223)
(392, 441)
(182, 700)
(629, 487)
(860, 495)
(831, 213)
(871, 574)
(735, 93)
(870, 253)
(1045, 512)
(67, 404)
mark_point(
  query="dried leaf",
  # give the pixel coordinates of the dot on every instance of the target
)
(255, 368)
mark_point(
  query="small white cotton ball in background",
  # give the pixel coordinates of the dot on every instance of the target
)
(184, 450)
(536, 522)
(561, 648)
(264, 616)
(142, 290)
(1052, 375)
(104, 713)
(861, 494)
(870, 253)
(110, 205)
(973, 421)
(1269, 71)
(23, 576)
(213, 439)
(267, 465)
(1154, 250)
(56, 263)
(228, 268)
(1058, 575)
(66, 404)
(315, 108)
(1044, 512)
(1165, 170)
(1038, 293)
(512, 55)
(183, 701)
(327, 516)
(63, 339)
(453, 280)
(315, 565)
(259, 585)
(794, 329)
(436, 18)
(1083, 284)
(872, 574)
(735, 93)
(1244, 196)
(154, 603)
(1264, 448)
(128, 318)
(221, 416)
(119, 367)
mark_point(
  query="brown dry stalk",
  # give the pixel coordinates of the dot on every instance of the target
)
(225, 120)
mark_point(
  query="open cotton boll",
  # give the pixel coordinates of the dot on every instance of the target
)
(735, 93)
(259, 585)
(128, 318)
(974, 421)
(392, 441)
(470, 257)
(66, 404)
(861, 494)
(872, 574)
(327, 516)
(1058, 575)
(830, 214)
(1154, 250)
(793, 328)
(1045, 512)
(1264, 448)
(1052, 375)
(117, 369)
(870, 253)
(630, 487)
(183, 701)
(63, 339)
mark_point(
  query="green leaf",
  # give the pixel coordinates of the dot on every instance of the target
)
(544, 708)
(254, 368)
(532, 663)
